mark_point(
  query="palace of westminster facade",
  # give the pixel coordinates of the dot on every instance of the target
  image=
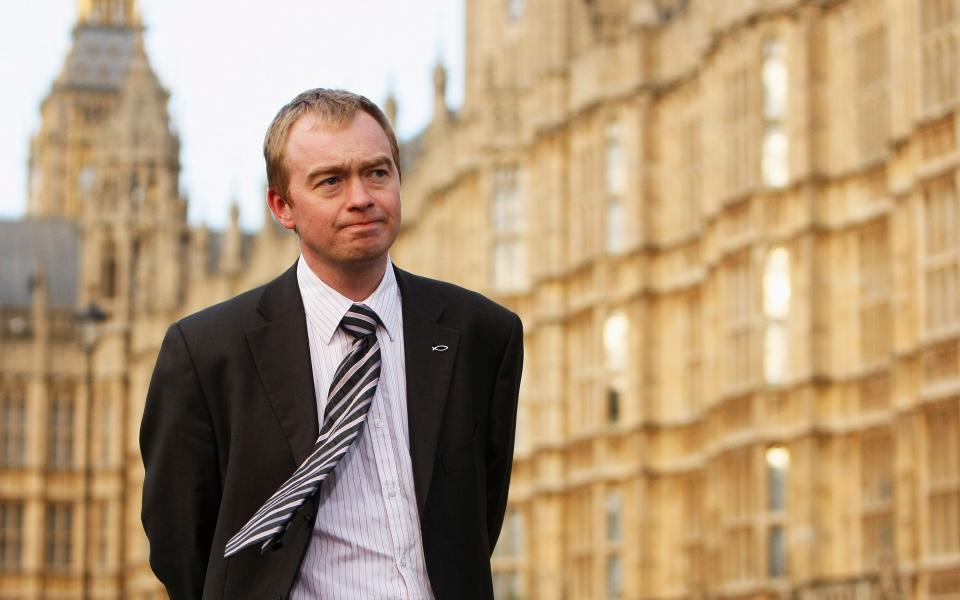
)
(732, 231)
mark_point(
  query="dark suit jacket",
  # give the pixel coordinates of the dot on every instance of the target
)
(231, 412)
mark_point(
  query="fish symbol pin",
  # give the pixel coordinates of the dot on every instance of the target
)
(440, 348)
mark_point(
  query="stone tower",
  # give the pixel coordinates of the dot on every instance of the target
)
(83, 94)
(132, 211)
(106, 158)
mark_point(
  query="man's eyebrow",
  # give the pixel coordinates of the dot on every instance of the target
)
(376, 161)
(325, 170)
(336, 168)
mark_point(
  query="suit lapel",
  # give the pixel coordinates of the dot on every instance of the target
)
(429, 353)
(281, 352)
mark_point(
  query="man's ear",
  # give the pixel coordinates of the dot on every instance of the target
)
(280, 209)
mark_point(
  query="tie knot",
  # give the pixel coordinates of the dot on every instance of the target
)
(360, 321)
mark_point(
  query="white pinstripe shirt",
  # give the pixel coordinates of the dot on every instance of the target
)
(366, 539)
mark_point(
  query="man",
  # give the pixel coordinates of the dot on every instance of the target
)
(345, 431)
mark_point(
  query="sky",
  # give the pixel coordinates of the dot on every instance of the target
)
(228, 72)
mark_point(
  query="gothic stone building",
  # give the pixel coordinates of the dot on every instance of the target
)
(731, 228)
(105, 227)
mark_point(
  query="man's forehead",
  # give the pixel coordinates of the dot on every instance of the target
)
(316, 145)
(314, 120)
(317, 123)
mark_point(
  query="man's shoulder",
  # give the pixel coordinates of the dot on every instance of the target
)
(459, 301)
(240, 311)
(225, 311)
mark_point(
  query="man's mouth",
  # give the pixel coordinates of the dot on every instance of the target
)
(362, 224)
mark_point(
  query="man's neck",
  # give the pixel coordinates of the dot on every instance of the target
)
(356, 284)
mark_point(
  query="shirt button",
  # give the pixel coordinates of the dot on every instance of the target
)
(392, 493)
(403, 561)
(378, 423)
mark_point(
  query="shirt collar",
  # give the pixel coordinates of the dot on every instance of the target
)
(325, 306)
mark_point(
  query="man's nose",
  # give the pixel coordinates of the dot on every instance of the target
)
(359, 197)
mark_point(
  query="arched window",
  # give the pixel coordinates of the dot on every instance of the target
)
(774, 164)
(615, 187)
(108, 275)
(776, 309)
(616, 337)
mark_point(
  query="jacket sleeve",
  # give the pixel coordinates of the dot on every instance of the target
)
(502, 429)
(181, 488)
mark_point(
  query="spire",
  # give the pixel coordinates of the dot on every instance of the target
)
(231, 257)
(39, 316)
(199, 252)
(38, 286)
(390, 108)
(440, 111)
(271, 227)
(108, 13)
(390, 102)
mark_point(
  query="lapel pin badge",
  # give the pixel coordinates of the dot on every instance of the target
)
(440, 348)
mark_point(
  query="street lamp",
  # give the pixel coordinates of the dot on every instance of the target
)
(89, 320)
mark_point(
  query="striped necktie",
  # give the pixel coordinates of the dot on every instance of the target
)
(348, 402)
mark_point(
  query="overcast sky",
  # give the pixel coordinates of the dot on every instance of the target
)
(228, 72)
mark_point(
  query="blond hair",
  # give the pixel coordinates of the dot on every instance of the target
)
(332, 107)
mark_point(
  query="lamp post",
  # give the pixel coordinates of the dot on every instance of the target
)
(89, 320)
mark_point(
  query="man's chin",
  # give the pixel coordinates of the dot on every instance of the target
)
(358, 258)
(368, 258)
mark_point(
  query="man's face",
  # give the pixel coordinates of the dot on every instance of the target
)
(344, 194)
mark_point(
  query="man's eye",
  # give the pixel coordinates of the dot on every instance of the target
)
(329, 181)
(379, 173)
